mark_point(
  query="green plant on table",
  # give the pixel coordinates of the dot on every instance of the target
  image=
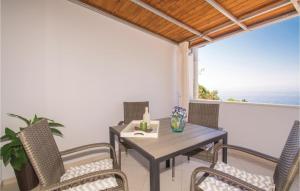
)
(13, 151)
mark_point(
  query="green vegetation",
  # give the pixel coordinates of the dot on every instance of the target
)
(13, 152)
(237, 100)
(204, 93)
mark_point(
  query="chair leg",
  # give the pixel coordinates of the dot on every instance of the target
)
(173, 168)
(189, 158)
(119, 155)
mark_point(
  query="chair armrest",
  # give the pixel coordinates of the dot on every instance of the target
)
(245, 150)
(223, 176)
(121, 123)
(87, 178)
(90, 146)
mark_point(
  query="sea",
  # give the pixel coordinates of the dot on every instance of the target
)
(285, 98)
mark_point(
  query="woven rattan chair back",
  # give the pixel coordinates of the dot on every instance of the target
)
(42, 152)
(288, 164)
(204, 114)
(134, 111)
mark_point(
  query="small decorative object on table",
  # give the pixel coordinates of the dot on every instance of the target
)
(138, 128)
(178, 118)
(142, 128)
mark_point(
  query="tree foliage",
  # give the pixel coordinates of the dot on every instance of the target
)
(204, 93)
(236, 100)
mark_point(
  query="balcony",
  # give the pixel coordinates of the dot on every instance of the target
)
(78, 61)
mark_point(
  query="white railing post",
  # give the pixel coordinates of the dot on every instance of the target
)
(195, 76)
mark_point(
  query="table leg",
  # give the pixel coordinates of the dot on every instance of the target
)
(224, 154)
(154, 175)
(119, 153)
(112, 141)
(173, 168)
(168, 163)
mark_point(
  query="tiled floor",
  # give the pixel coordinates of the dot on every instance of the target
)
(136, 169)
(138, 174)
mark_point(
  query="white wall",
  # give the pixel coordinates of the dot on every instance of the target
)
(264, 128)
(74, 65)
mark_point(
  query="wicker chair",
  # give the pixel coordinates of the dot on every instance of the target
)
(206, 115)
(225, 177)
(132, 111)
(47, 162)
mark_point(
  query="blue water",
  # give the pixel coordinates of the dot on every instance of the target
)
(287, 98)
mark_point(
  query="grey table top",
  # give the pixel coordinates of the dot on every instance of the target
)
(168, 142)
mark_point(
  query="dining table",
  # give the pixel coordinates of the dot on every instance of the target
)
(168, 144)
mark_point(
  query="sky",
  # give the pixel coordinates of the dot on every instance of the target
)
(262, 60)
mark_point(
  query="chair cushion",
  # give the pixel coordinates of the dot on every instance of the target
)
(102, 184)
(212, 183)
(208, 146)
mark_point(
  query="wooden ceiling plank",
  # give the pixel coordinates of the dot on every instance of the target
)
(264, 10)
(283, 10)
(265, 23)
(215, 29)
(195, 13)
(225, 31)
(271, 21)
(220, 27)
(296, 5)
(170, 19)
(126, 21)
(226, 13)
(239, 8)
(246, 17)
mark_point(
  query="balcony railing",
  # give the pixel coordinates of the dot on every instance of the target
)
(263, 127)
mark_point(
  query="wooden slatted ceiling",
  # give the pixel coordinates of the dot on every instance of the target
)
(286, 9)
(225, 31)
(141, 17)
(197, 14)
(197, 41)
(251, 22)
(242, 7)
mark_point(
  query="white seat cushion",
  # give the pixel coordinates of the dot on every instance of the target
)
(212, 183)
(208, 146)
(102, 184)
